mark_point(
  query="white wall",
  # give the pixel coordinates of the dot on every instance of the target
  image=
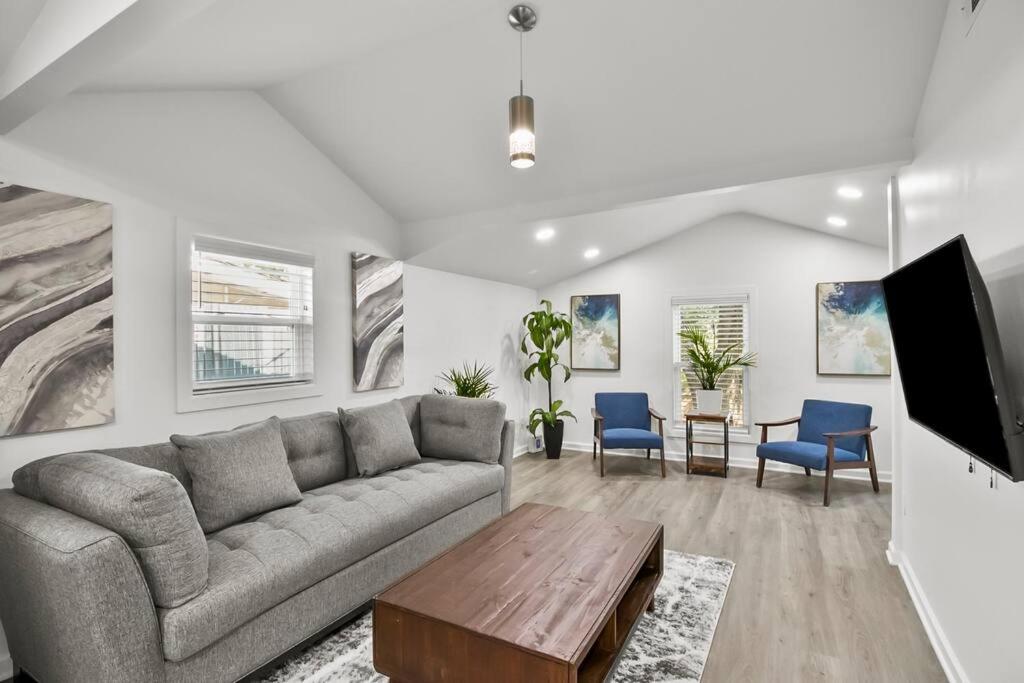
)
(451, 319)
(781, 264)
(961, 547)
(230, 163)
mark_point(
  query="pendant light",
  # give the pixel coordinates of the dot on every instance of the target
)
(522, 144)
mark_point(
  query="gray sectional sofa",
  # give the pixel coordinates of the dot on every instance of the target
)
(82, 602)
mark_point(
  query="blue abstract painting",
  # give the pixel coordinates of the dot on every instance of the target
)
(853, 329)
(595, 332)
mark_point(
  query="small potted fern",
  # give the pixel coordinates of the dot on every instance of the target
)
(709, 365)
(470, 382)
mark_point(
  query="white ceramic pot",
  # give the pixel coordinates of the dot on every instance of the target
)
(709, 402)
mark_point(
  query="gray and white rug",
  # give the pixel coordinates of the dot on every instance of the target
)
(671, 644)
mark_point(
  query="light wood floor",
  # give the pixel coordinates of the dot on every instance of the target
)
(812, 596)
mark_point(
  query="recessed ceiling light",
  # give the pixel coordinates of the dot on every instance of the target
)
(836, 221)
(591, 253)
(850, 192)
(544, 234)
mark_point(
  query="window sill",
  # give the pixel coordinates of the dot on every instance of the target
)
(190, 403)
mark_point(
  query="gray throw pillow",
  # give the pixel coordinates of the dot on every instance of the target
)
(379, 437)
(237, 474)
(458, 428)
(148, 508)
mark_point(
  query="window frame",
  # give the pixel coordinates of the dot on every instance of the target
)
(748, 295)
(232, 395)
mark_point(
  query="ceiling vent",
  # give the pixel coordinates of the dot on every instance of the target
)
(969, 11)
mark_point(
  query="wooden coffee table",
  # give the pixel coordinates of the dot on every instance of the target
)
(542, 594)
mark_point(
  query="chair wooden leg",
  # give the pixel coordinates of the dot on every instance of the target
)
(807, 471)
(871, 465)
(760, 471)
(828, 482)
(663, 474)
(595, 451)
(602, 460)
(648, 453)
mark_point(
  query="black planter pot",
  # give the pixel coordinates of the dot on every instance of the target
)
(553, 439)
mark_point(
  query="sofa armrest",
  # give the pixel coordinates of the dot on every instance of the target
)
(73, 599)
(508, 446)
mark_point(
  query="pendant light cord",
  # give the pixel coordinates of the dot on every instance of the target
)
(521, 60)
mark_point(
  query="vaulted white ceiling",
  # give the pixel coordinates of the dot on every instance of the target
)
(649, 98)
(410, 98)
(639, 105)
(509, 251)
(251, 44)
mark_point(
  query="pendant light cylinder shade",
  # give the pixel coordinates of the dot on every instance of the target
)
(522, 144)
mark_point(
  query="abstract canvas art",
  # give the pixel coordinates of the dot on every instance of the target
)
(595, 332)
(853, 329)
(377, 324)
(56, 311)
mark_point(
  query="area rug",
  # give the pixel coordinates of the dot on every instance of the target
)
(670, 644)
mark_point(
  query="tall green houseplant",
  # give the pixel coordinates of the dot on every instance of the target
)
(546, 330)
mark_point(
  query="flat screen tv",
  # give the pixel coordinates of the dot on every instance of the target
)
(950, 357)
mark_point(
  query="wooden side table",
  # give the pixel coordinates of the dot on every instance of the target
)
(697, 464)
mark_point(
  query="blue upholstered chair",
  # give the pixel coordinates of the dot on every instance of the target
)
(831, 436)
(623, 420)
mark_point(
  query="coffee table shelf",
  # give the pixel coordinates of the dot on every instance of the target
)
(601, 659)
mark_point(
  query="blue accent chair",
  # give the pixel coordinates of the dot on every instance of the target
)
(831, 436)
(623, 420)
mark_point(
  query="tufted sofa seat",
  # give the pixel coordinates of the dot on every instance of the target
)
(260, 563)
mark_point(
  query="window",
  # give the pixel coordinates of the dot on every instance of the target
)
(250, 317)
(726, 319)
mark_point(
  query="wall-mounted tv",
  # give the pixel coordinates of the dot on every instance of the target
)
(950, 357)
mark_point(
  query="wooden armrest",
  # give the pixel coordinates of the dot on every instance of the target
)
(782, 423)
(596, 415)
(853, 432)
(655, 414)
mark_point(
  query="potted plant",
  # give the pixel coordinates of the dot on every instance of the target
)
(546, 330)
(471, 382)
(709, 366)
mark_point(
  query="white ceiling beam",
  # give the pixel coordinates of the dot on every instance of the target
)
(72, 40)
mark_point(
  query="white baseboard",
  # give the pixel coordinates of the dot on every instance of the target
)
(892, 555)
(6, 667)
(943, 650)
(745, 462)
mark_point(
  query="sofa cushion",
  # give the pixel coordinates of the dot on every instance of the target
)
(260, 563)
(411, 406)
(316, 449)
(802, 453)
(237, 474)
(379, 437)
(460, 428)
(146, 507)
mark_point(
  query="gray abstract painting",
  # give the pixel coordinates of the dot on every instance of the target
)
(377, 325)
(56, 311)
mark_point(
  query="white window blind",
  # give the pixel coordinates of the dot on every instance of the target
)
(726, 321)
(252, 317)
